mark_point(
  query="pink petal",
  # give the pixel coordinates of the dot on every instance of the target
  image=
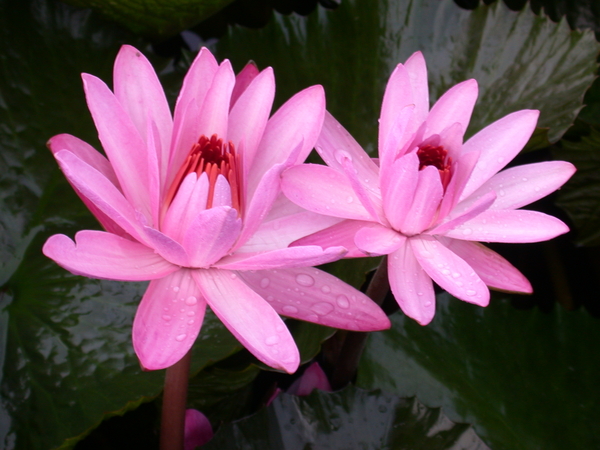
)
(248, 118)
(214, 114)
(121, 141)
(341, 234)
(395, 145)
(411, 286)
(222, 192)
(186, 129)
(312, 378)
(315, 296)
(141, 95)
(298, 120)
(417, 73)
(89, 155)
(286, 257)
(509, 226)
(198, 430)
(522, 185)
(334, 141)
(376, 240)
(398, 94)
(461, 215)
(100, 192)
(166, 247)
(249, 318)
(285, 223)
(498, 144)
(323, 190)
(211, 235)
(85, 152)
(243, 80)
(449, 271)
(462, 168)
(189, 201)
(428, 194)
(398, 189)
(98, 254)
(168, 320)
(455, 106)
(493, 269)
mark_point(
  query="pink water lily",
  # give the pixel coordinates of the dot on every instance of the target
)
(183, 201)
(429, 197)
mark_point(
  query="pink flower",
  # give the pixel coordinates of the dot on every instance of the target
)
(198, 430)
(182, 201)
(430, 196)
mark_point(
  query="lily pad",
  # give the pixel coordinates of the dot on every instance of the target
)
(524, 379)
(352, 418)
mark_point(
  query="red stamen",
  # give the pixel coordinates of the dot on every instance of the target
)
(436, 156)
(214, 158)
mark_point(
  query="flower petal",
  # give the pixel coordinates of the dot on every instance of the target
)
(285, 257)
(341, 234)
(411, 286)
(189, 201)
(509, 226)
(312, 378)
(98, 254)
(398, 189)
(315, 296)
(455, 106)
(243, 80)
(375, 240)
(166, 247)
(99, 191)
(323, 190)
(168, 320)
(461, 215)
(214, 114)
(498, 144)
(417, 73)
(211, 235)
(299, 120)
(428, 194)
(522, 185)
(117, 132)
(493, 269)
(141, 95)
(249, 318)
(248, 118)
(450, 271)
(335, 141)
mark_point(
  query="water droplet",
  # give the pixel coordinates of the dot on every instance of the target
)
(290, 309)
(524, 179)
(467, 231)
(455, 274)
(350, 199)
(304, 280)
(270, 298)
(427, 303)
(279, 328)
(265, 282)
(342, 301)
(446, 272)
(501, 193)
(191, 321)
(325, 289)
(181, 337)
(322, 308)
(471, 292)
(166, 317)
(191, 313)
(176, 288)
(191, 300)
(312, 318)
(272, 340)
(419, 294)
(233, 276)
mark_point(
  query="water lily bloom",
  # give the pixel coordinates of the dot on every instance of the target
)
(183, 200)
(430, 197)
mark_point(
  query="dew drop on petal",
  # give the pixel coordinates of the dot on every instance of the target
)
(467, 231)
(191, 300)
(455, 274)
(176, 288)
(272, 340)
(427, 303)
(264, 283)
(471, 292)
(350, 199)
(325, 289)
(342, 301)
(322, 308)
(166, 317)
(304, 280)
(191, 321)
(279, 328)
(181, 337)
(233, 276)
(290, 309)
(312, 318)
(420, 294)
(191, 313)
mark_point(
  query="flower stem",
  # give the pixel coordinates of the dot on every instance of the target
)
(354, 341)
(174, 401)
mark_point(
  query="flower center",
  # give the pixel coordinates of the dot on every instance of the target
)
(437, 156)
(213, 157)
